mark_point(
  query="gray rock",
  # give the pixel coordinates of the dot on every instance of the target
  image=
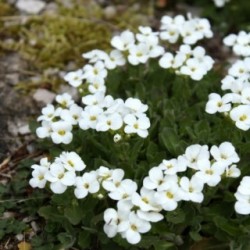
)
(24, 129)
(30, 6)
(44, 96)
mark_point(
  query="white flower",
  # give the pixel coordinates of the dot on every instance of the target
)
(89, 117)
(199, 53)
(145, 34)
(203, 26)
(49, 113)
(169, 61)
(189, 33)
(171, 34)
(117, 138)
(171, 167)
(228, 82)
(97, 87)
(45, 130)
(136, 226)
(225, 154)
(74, 78)
(95, 55)
(136, 106)
(210, 174)
(95, 73)
(196, 153)
(232, 172)
(244, 187)
(138, 125)
(115, 221)
(71, 115)
(38, 174)
(220, 3)
(242, 206)
(216, 103)
(145, 200)
(88, 183)
(238, 69)
(65, 100)
(59, 178)
(103, 173)
(230, 40)
(109, 122)
(71, 161)
(114, 59)
(124, 191)
(150, 216)
(194, 69)
(241, 116)
(245, 95)
(123, 41)
(95, 99)
(192, 189)
(61, 132)
(138, 53)
(240, 43)
(156, 179)
(169, 197)
(112, 180)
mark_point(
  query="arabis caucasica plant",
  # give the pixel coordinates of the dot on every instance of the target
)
(137, 149)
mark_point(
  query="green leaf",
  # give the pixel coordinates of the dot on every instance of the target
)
(227, 226)
(169, 138)
(84, 239)
(164, 245)
(66, 239)
(50, 213)
(74, 214)
(195, 236)
(176, 217)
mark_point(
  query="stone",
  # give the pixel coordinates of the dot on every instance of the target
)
(110, 12)
(30, 6)
(44, 96)
(24, 129)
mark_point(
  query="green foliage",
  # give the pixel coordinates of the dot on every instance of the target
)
(176, 110)
(178, 120)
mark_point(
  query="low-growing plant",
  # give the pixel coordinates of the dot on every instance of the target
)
(139, 164)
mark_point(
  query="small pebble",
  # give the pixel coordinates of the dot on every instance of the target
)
(43, 96)
(30, 6)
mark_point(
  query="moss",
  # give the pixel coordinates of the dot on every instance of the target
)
(52, 40)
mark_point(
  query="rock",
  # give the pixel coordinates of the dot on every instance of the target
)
(51, 9)
(30, 6)
(12, 128)
(12, 79)
(110, 12)
(70, 90)
(44, 96)
(19, 237)
(24, 129)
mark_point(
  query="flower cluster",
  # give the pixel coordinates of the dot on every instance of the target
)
(102, 113)
(162, 189)
(187, 61)
(240, 43)
(220, 3)
(242, 206)
(190, 31)
(61, 173)
(146, 44)
(236, 104)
